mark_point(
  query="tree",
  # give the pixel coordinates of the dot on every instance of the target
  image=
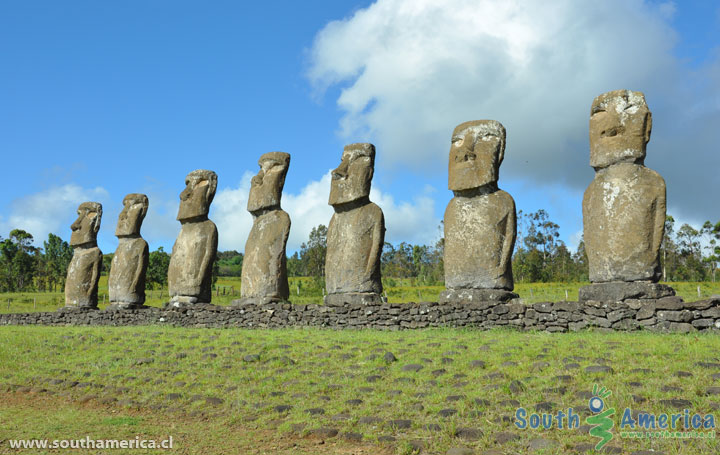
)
(157, 271)
(19, 261)
(312, 253)
(56, 259)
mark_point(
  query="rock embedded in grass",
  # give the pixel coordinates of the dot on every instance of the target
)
(414, 367)
(389, 357)
(599, 369)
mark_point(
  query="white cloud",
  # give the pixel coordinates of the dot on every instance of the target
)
(405, 221)
(51, 211)
(411, 70)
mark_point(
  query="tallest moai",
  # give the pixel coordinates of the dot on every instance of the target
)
(624, 206)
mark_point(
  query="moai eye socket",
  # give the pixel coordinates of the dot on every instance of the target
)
(596, 404)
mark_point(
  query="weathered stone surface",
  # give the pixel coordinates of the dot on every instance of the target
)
(479, 222)
(264, 272)
(126, 281)
(193, 255)
(621, 290)
(624, 206)
(356, 232)
(81, 284)
(475, 295)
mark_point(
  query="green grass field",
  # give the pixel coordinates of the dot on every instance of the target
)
(267, 391)
(304, 291)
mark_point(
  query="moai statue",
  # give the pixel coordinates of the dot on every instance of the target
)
(624, 206)
(193, 255)
(264, 271)
(81, 285)
(356, 233)
(126, 282)
(480, 220)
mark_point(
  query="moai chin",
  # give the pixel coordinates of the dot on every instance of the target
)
(126, 282)
(480, 220)
(356, 232)
(81, 285)
(624, 206)
(264, 271)
(193, 255)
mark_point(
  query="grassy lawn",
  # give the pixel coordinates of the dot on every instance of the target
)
(304, 291)
(217, 389)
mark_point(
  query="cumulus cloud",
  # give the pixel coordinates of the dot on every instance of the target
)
(410, 70)
(412, 221)
(51, 211)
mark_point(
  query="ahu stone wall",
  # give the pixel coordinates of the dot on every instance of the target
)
(669, 314)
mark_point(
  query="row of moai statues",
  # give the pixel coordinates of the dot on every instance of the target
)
(623, 216)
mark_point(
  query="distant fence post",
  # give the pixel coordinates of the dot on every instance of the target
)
(698, 289)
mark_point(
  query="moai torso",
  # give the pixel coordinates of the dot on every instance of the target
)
(264, 272)
(126, 282)
(193, 256)
(81, 285)
(624, 218)
(354, 244)
(479, 240)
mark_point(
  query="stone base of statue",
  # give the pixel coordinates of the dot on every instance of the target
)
(476, 295)
(615, 291)
(77, 309)
(257, 301)
(354, 298)
(185, 301)
(120, 306)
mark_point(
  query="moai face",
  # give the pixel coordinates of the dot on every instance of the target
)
(266, 187)
(135, 208)
(200, 186)
(351, 180)
(478, 148)
(620, 125)
(87, 225)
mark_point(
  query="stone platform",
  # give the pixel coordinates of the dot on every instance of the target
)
(667, 314)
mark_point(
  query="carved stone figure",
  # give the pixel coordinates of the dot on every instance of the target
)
(480, 220)
(356, 232)
(193, 255)
(126, 282)
(264, 271)
(624, 206)
(81, 285)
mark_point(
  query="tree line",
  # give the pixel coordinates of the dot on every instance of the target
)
(686, 254)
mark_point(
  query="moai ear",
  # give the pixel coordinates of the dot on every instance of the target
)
(94, 221)
(648, 126)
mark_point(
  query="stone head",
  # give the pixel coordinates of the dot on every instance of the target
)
(478, 148)
(620, 125)
(266, 187)
(351, 180)
(135, 207)
(87, 224)
(200, 186)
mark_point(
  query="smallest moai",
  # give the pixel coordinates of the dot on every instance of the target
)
(624, 205)
(264, 271)
(195, 249)
(81, 284)
(479, 223)
(356, 232)
(126, 282)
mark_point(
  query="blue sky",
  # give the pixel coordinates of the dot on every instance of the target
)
(101, 99)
